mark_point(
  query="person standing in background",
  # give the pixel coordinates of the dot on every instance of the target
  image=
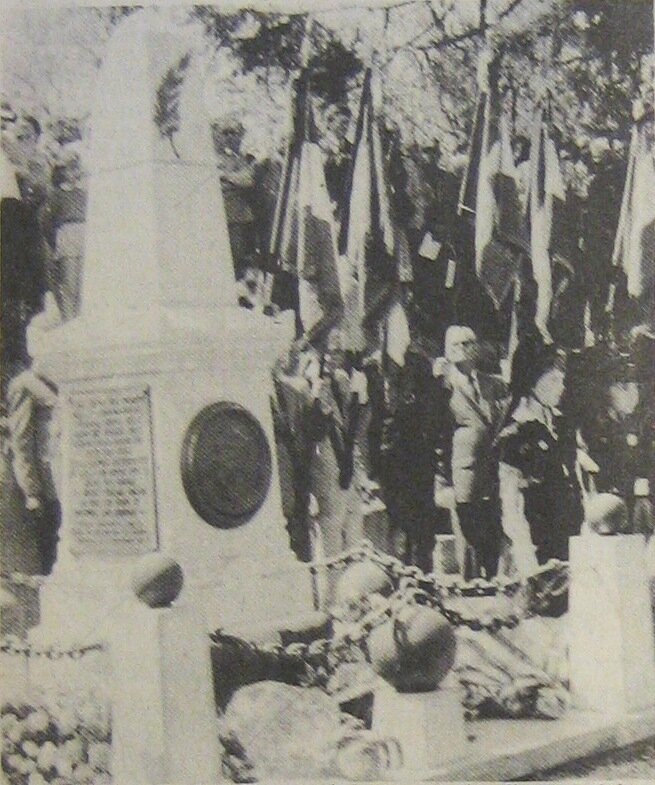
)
(63, 226)
(22, 258)
(617, 433)
(408, 460)
(600, 224)
(471, 411)
(540, 496)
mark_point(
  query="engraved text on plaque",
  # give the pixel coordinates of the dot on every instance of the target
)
(111, 492)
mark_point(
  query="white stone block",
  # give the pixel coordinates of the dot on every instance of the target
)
(164, 726)
(612, 650)
(429, 726)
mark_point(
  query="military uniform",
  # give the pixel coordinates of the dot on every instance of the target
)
(621, 445)
(552, 503)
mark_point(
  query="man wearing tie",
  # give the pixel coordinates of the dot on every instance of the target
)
(471, 413)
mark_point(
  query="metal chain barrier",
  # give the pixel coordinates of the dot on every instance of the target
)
(360, 553)
(413, 586)
(478, 587)
(428, 590)
(17, 647)
(321, 657)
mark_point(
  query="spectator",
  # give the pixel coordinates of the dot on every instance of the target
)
(540, 497)
(22, 273)
(472, 411)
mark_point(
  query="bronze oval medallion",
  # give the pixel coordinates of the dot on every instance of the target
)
(226, 464)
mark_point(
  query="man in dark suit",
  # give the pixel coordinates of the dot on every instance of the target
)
(472, 409)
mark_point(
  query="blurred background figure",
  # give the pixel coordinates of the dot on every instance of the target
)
(408, 461)
(63, 226)
(617, 432)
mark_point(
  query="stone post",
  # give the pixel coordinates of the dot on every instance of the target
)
(164, 725)
(428, 725)
(612, 650)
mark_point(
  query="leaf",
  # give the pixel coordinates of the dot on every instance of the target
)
(167, 101)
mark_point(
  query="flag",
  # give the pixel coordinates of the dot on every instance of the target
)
(634, 247)
(368, 238)
(303, 237)
(489, 196)
(546, 184)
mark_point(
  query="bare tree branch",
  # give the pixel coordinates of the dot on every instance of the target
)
(473, 32)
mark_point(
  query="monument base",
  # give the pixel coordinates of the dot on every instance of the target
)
(429, 725)
(78, 606)
(126, 414)
(376, 526)
(612, 649)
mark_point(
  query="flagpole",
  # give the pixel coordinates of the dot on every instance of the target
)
(305, 53)
(623, 217)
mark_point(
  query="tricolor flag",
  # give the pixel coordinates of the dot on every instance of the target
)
(303, 237)
(368, 239)
(634, 247)
(489, 195)
(546, 184)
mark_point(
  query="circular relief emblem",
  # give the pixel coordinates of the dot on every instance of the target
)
(226, 464)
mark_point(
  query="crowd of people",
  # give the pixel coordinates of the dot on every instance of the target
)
(443, 436)
(450, 446)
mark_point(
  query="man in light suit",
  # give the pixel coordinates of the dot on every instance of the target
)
(471, 412)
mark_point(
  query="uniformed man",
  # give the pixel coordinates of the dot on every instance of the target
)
(618, 435)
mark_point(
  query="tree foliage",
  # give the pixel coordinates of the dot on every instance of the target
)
(590, 54)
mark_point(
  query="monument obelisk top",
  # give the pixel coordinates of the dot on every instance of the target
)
(157, 234)
(157, 254)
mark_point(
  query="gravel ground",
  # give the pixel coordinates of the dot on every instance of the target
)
(636, 762)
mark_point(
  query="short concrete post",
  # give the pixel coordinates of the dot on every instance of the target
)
(164, 726)
(428, 725)
(612, 649)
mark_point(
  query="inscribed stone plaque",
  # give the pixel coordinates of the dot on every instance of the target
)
(111, 488)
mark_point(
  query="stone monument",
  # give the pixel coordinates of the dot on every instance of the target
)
(164, 382)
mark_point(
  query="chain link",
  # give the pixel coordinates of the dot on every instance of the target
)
(478, 587)
(16, 647)
(413, 587)
(360, 553)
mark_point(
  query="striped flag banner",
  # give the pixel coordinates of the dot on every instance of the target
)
(369, 239)
(634, 247)
(303, 237)
(489, 195)
(546, 184)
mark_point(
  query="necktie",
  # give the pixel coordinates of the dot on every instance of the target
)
(475, 388)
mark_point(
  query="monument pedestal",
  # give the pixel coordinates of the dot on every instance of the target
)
(429, 725)
(446, 563)
(126, 412)
(376, 526)
(612, 649)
